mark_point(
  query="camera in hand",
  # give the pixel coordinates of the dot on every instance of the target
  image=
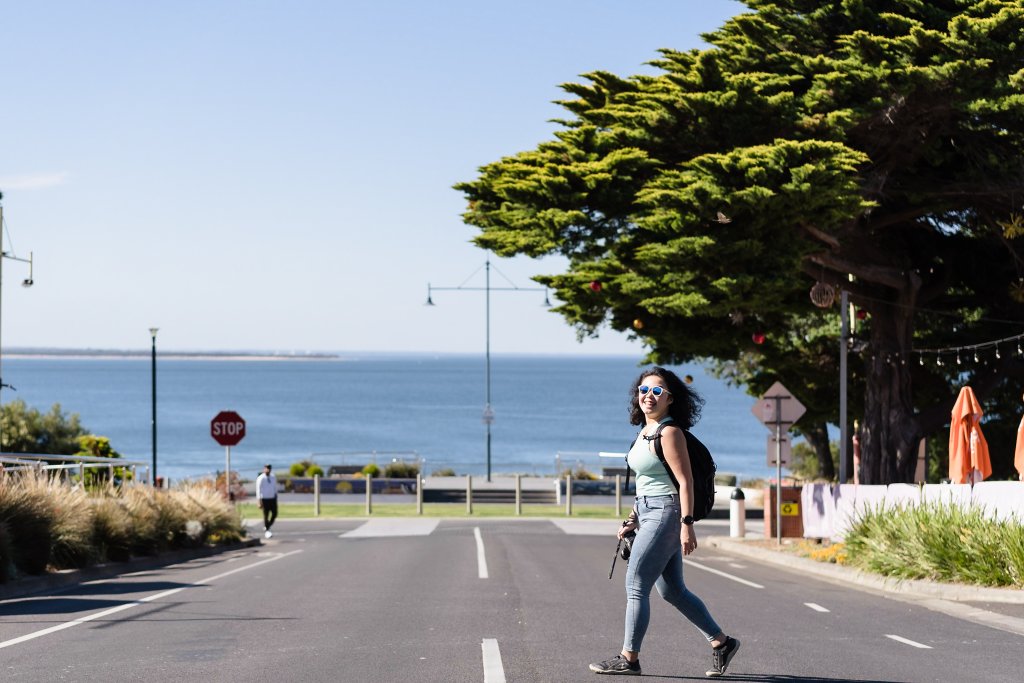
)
(627, 544)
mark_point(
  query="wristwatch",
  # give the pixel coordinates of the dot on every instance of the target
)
(688, 520)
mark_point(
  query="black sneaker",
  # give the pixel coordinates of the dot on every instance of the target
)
(723, 655)
(617, 665)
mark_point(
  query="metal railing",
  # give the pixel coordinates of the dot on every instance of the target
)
(13, 462)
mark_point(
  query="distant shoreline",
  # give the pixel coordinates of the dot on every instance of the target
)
(113, 354)
(44, 353)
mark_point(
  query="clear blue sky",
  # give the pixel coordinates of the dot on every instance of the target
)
(277, 175)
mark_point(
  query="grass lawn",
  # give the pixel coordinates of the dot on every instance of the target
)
(337, 510)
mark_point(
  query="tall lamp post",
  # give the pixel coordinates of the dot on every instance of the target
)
(488, 415)
(27, 282)
(152, 333)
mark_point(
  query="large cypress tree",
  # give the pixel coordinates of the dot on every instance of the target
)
(874, 145)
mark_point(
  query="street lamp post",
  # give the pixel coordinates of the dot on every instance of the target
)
(27, 282)
(152, 333)
(488, 415)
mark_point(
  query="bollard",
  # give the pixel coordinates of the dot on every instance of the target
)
(519, 495)
(737, 514)
(369, 494)
(618, 495)
(420, 481)
(316, 495)
(568, 495)
(469, 494)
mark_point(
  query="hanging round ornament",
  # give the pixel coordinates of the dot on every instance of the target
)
(758, 338)
(638, 324)
(823, 294)
(595, 286)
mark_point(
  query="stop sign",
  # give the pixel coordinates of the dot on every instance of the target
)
(228, 428)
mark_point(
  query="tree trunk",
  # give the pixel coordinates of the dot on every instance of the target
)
(817, 436)
(890, 431)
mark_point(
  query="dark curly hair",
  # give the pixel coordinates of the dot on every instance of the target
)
(685, 406)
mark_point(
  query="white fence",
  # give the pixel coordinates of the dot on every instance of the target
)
(829, 511)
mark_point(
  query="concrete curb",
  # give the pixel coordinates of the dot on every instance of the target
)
(69, 577)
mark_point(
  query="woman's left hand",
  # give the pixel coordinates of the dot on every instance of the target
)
(688, 539)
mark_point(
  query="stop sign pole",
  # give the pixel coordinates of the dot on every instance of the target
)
(227, 428)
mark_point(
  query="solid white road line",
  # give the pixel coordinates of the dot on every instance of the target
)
(494, 672)
(816, 607)
(481, 558)
(906, 641)
(737, 579)
(134, 603)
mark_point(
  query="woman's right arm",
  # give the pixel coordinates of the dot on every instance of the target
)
(631, 523)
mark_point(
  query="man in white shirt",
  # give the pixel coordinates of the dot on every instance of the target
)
(266, 498)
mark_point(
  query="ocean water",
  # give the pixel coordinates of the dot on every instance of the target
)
(549, 411)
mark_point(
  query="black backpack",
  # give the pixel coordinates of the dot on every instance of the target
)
(702, 467)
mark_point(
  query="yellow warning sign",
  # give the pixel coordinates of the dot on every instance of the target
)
(790, 509)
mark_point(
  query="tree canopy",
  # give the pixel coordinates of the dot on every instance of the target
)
(873, 145)
(27, 430)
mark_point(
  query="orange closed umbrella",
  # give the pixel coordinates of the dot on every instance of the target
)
(968, 451)
(1018, 452)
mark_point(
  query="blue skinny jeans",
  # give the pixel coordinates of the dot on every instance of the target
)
(657, 561)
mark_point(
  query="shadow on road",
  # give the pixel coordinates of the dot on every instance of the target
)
(775, 678)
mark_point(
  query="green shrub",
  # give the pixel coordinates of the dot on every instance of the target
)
(314, 471)
(26, 430)
(72, 527)
(208, 517)
(298, 469)
(371, 470)
(443, 472)
(156, 520)
(94, 446)
(112, 527)
(46, 523)
(6, 557)
(401, 470)
(726, 480)
(579, 473)
(938, 542)
(28, 513)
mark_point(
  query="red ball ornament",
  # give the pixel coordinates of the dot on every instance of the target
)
(862, 314)
(595, 286)
(757, 338)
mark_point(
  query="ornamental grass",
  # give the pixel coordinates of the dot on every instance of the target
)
(46, 524)
(940, 542)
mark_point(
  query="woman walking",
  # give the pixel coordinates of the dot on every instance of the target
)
(662, 518)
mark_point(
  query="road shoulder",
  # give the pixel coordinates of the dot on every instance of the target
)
(950, 599)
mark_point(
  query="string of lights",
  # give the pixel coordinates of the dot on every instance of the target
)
(967, 353)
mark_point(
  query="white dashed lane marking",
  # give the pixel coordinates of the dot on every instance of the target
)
(494, 672)
(481, 558)
(816, 607)
(732, 577)
(906, 641)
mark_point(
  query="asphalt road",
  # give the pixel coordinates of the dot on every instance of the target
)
(471, 600)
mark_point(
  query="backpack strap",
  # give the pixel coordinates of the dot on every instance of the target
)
(656, 438)
(625, 486)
